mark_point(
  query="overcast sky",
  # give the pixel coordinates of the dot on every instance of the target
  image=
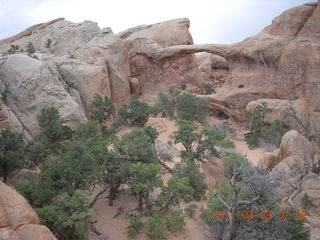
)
(212, 21)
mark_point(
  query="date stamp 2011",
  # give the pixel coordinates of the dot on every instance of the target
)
(262, 214)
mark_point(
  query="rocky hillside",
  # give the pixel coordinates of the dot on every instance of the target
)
(281, 62)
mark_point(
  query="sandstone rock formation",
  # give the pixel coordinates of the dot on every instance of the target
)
(32, 85)
(82, 61)
(293, 145)
(213, 69)
(18, 221)
(281, 62)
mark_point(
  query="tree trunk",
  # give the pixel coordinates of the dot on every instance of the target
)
(98, 195)
(113, 193)
(140, 203)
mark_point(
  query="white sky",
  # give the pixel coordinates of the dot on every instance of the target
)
(212, 21)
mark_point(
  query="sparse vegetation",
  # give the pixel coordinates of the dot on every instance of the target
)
(156, 226)
(102, 109)
(4, 95)
(136, 113)
(248, 189)
(135, 226)
(200, 145)
(306, 201)
(176, 220)
(208, 88)
(191, 107)
(262, 131)
(13, 49)
(48, 44)
(30, 48)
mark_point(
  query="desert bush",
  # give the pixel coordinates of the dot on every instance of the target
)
(208, 88)
(176, 220)
(263, 132)
(306, 201)
(191, 107)
(102, 108)
(30, 48)
(67, 216)
(156, 226)
(136, 113)
(135, 226)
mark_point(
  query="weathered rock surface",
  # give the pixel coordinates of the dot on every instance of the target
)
(34, 232)
(162, 33)
(213, 69)
(83, 60)
(32, 85)
(165, 151)
(281, 62)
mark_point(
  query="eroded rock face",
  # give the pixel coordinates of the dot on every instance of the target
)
(281, 62)
(32, 85)
(149, 60)
(162, 33)
(213, 69)
(18, 221)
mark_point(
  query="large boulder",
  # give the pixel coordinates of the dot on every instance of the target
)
(294, 148)
(34, 232)
(16, 208)
(18, 221)
(294, 144)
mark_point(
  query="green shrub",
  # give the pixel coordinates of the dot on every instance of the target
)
(13, 49)
(190, 107)
(306, 201)
(252, 139)
(227, 144)
(68, 216)
(208, 88)
(136, 113)
(30, 48)
(102, 108)
(176, 220)
(165, 105)
(12, 152)
(156, 226)
(262, 131)
(190, 211)
(48, 43)
(135, 226)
